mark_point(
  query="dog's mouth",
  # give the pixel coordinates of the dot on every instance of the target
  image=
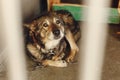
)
(57, 37)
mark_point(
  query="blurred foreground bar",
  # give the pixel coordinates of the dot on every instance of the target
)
(13, 35)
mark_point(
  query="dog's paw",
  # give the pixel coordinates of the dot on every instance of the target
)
(73, 52)
(45, 63)
(59, 63)
(70, 59)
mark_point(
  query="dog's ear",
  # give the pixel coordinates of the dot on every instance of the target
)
(31, 26)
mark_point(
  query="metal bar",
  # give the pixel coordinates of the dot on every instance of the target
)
(93, 40)
(12, 25)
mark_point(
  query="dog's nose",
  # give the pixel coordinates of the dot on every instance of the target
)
(56, 32)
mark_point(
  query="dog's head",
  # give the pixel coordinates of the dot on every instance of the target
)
(48, 28)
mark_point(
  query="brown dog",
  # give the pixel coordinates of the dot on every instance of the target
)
(51, 38)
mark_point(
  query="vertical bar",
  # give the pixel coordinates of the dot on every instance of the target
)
(12, 25)
(119, 6)
(93, 40)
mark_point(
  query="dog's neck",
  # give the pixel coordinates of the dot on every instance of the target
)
(51, 44)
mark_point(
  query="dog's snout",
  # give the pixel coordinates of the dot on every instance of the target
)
(56, 32)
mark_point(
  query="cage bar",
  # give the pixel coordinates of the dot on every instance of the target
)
(12, 26)
(94, 31)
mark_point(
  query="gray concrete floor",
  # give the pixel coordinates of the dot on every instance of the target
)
(111, 67)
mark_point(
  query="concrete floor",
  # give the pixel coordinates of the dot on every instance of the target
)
(111, 67)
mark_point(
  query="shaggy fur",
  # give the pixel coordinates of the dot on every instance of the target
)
(51, 38)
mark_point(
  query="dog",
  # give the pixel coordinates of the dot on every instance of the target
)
(51, 38)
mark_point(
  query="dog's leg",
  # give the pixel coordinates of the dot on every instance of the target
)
(77, 36)
(59, 63)
(34, 51)
(74, 48)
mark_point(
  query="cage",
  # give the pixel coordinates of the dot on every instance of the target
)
(102, 63)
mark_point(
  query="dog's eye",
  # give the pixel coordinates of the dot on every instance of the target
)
(57, 21)
(45, 24)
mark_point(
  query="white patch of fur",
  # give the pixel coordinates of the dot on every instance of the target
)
(52, 43)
